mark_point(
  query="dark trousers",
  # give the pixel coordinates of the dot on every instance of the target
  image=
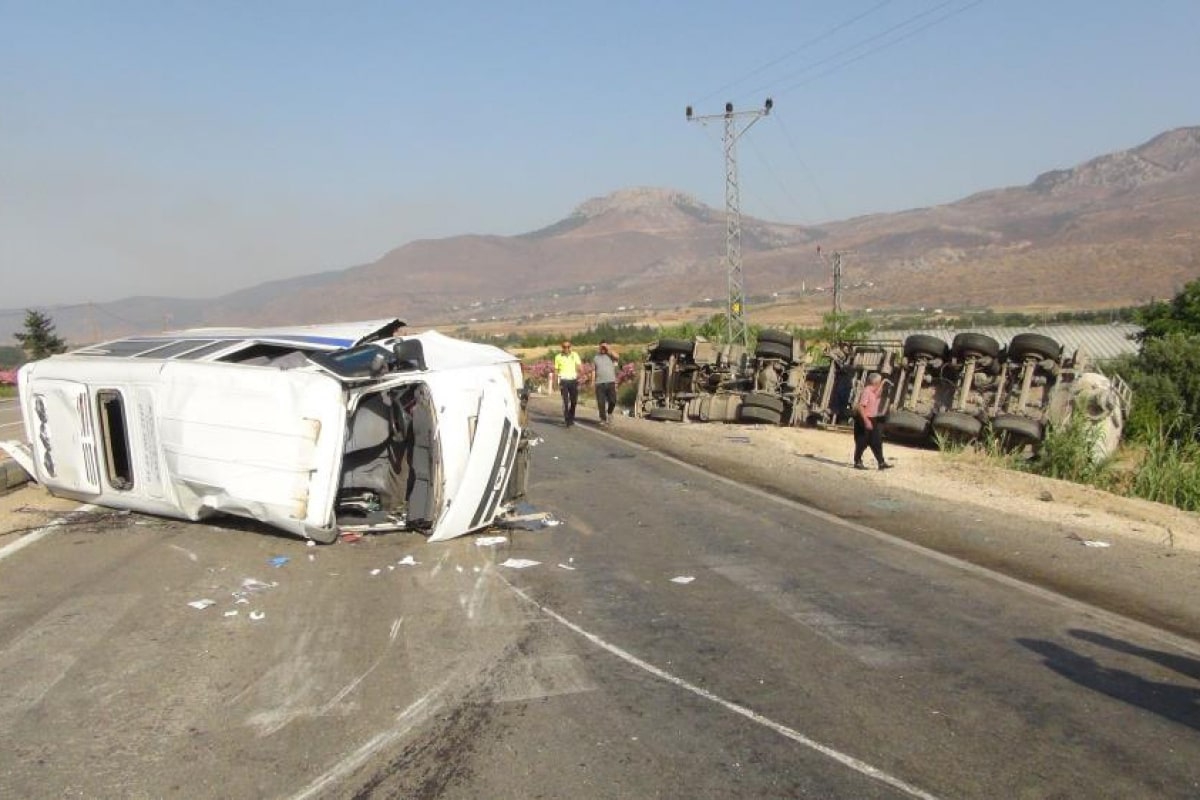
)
(570, 396)
(606, 399)
(864, 438)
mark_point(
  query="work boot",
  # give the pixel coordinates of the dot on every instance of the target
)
(859, 465)
(884, 465)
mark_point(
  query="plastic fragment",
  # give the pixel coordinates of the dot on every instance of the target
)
(232, 613)
(520, 563)
(683, 579)
(376, 571)
(408, 561)
(257, 615)
(200, 605)
(567, 566)
(279, 561)
(486, 541)
(1095, 543)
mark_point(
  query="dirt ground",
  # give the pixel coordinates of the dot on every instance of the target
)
(959, 478)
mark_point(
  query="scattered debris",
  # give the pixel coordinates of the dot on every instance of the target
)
(1088, 542)
(257, 615)
(376, 571)
(1045, 496)
(232, 613)
(683, 579)
(200, 605)
(520, 563)
(279, 561)
(488, 541)
(567, 566)
(350, 537)
(408, 561)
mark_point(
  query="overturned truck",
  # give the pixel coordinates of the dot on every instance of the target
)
(962, 390)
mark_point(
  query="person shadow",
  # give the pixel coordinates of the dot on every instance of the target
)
(1175, 702)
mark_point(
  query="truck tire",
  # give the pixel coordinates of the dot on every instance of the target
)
(957, 424)
(907, 423)
(763, 400)
(1015, 431)
(779, 337)
(1034, 344)
(773, 350)
(975, 344)
(663, 414)
(920, 344)
(664, 348)
(759, 415)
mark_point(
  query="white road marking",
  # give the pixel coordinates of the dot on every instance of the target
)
(861, 767)
(42, 532)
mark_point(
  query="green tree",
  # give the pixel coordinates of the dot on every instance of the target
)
(1181, 315)
(39, 339)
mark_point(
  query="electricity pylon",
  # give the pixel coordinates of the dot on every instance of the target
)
(735, 303)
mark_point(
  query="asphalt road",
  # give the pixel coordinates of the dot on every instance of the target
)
(10, 419)
(806, 657)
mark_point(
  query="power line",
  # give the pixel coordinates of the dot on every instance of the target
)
(883, 46)
(815, 40)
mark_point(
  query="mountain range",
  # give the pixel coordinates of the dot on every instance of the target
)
(1120, 229)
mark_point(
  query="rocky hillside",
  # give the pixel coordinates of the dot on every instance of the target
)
(1120, 229)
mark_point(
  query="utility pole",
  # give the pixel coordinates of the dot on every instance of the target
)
(837, 291)
(735, 302)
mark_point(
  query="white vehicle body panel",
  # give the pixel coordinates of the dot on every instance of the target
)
(285, 443)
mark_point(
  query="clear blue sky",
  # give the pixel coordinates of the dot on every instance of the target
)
(194, 148)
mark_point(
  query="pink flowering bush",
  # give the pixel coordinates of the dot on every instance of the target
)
(8, 377)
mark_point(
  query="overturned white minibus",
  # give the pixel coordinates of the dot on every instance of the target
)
(315, 430)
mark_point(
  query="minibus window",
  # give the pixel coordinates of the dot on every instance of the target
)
(116, 439)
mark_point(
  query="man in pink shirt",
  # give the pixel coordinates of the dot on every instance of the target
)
(867, 428)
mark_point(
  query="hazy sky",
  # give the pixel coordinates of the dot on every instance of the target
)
(194, 148)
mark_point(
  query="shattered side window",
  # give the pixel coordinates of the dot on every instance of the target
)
(115, 433)
(355, 362)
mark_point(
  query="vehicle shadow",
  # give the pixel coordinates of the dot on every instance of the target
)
(1171, 701)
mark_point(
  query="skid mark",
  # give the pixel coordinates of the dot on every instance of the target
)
(535, 678)
(868, 642)
(416, 713)
(39, 658)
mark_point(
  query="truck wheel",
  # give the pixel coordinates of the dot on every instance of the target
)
(957, 425)
(778, 337)
(762, 415)
(906, 422)
(763, 400)
(1034, 344)
(663, 414)
(975, 344)
(665, 348)
(1014, 431)
(920, 344)
(773, 350)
